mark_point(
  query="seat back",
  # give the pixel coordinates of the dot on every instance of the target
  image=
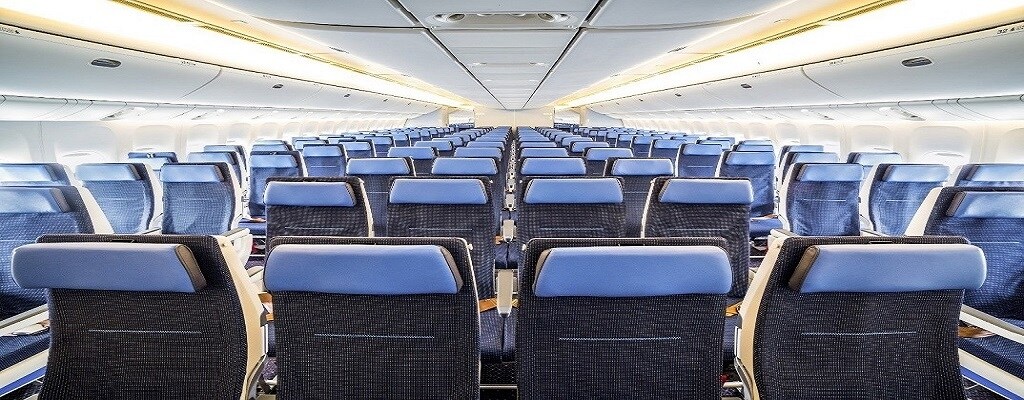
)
(237, 149)
(125, 192)
(626, 284)
(834, 298)
(823, 199)
(571, 208)
(975, 175)
(422, 157)
(892, 195)
(597, 157)
(381, 144)
(705, 207)
(754, 147)
(267, 146)
(869, 159)
(228, 157)
(641, 145)
(637, 175)
(558, 166)
(796, 157)
(358, 149)
(448, 207)
(33, 174)
(27, 213)
(667, 148)
(263, 166)
(376, 175)
(725, 141)
(444, 148)
(302, 143)
(477, 167)
(164, 316)
(347, 301)
(698, 160)
(808, 148)
(576, 149)
(316, 206)
(199, 199)
(759, 169)
(324, 159)
(991, 218)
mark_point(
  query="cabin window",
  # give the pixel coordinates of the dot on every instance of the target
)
(1011, 146)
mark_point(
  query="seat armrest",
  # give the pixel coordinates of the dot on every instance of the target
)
(871, 232)
(235, 233)
(241, 240)
(25, 320)
(510, 202)
(992, 324)
(150, 231)
(508, 230)
(506, 284)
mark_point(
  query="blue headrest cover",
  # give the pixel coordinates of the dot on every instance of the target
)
(156, 163)
(465, 166)
(378, 166)
(816, 157)
(632, 271)
(223, 147)
(273, 161)
(213, 156)
(107, 172)
(271, 147)
(643, 139)
(579, 147)
(573, 191)
(154, 154)
(873, 158)
(358, 269)
(491, 152)
(380, 139)
(755, 147)
(13, 173)
(543, 152)
(554, 166)
(669, 143)
(830, 173)
(537, 144)
(270, 141)
(438, 191)
(987, 205)
(996, 173)
(440, 145)
(309, 194)
(702, 149)
(357, 146)
(750, 158)
(887, 268)
(485, 143)
(415, 153)
(757, 142)
(604, 153)
(707, 191)
(643, 166)
(136, 267)
(191, 173)
(805, 147)
(38, 200)
(322, 150)
(916, 173)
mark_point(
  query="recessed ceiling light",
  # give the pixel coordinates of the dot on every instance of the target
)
(239, 21)
(539, 64)
(478, 64)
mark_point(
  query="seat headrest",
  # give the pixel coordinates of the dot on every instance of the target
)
(465, 166)
(803, 147)
(380, 139)
(357, 146)
(795, 157)
(754, 147)
(379, 166)
(29, 174)
(705, 149)
(489, 152)
(554, 166)
(604, 153)
(669, 143)
(438, 191)
(154, 154)
(213, 156)
(542, 152)
(273, 161)
(440, 145)
(643, 139)
(355, 269)
(915, 173)
(271, 147)
(270, 141)
(707, 191)
(579, 147)
(740, 157)
(309, 194)
(455, 140)
(632, 271)
(191, 173)
(757, 142)
(875, 158)
(322, 150)
(134, 267)
(223, 147)
(643, 167)
(530, 145)
(995, 173)
(573, 191)
(32, 200)
(829, 172)
(486, 143)
(415, 153)
(107, 172)
(156, 163)
(887, 268)
(987, 205)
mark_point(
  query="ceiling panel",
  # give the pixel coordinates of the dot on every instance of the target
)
(425, 10)
(333, 12)
(661, 12)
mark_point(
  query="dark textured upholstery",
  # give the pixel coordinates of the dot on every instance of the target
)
(376, 347)
(655, 347)
(893, 203)
(129, 204)
(569, 220)
(199, 207)
(258, 176)
(698, 160)
(823, 207)
(290, 220)
(377, 187)
(359, 149)
(635, 187)
(324, 159)
(854, 345)
(760, 173)
(124, 345)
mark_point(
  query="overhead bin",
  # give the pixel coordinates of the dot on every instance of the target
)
(96, 110)
(1000, 108)
(18, 108)
(929, 111)
(244, 88)
(779, 88)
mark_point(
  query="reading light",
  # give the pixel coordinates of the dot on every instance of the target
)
(884, 27)
(127, 26)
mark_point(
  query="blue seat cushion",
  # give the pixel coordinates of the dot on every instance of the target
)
(706, 149)
(30, 174)
(322, 150)
(915, 173)
(761, 227)
(740, 157)
(1002, 353)
(273, 161)
(15, 349)
(258, 228)
(829, 173)
(142, 267)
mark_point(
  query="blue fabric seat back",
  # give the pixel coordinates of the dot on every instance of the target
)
(476, 152)
(637, 175)
(824, 199)
(377, 175)
(422, 157)
(170, 156)
(316, 206)
(324, 159)
(264, 165)
(444, 148)
(869, 159)
(401, 140)
(237, 149)
(698, 160)
(1003, 174)
(359, 149)
(381, 144)
(624, 140)
(597, 157)
(199, 199)
(33, 174)
(667, 148)
(642, 145)
(795, 157)
(124, 191)
(725, 142)
(757, 142)
(571, 207)
(809, 148)
(897, 191)
(27, 213)
(228, 157)
(759, 168)
(577, 149)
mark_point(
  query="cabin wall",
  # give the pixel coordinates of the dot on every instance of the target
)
(74, 143)
(593, 118)
(947, 142)
(495, 117)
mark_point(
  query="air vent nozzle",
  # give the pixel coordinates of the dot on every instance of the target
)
(916, 62)
(106, 63)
